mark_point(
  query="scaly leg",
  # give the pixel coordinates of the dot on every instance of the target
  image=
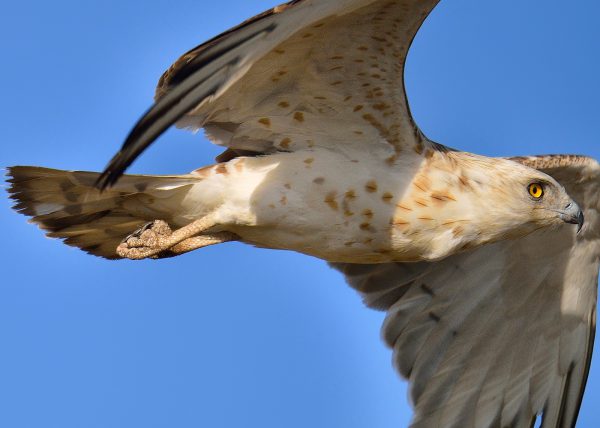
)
(155, 238)
(196, 242)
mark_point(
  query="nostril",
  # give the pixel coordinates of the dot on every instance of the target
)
(569, 205)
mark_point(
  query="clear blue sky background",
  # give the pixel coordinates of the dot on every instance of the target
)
(233, 336)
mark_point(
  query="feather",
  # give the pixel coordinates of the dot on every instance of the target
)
(67, 205)
(502, 333)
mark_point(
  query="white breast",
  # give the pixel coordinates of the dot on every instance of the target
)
(349, 206)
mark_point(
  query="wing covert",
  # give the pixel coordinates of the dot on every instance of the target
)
(307, 73)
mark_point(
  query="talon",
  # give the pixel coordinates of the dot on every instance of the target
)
(138, 232)
(144, 241)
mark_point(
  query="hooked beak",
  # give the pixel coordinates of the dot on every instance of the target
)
(573, 214)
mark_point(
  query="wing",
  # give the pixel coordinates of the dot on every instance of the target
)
(306, 73)
(496, 336)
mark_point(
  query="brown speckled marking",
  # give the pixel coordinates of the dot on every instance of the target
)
(399, 222)
(285, 143)
(449, 222)
(422, 183)
(383, 131)
(309, 161)
(346, 207)
(140, 187)
(391, 161)
(272, 206)
(330, 200)
(287, 186)
(299, 116)
(359, 133)
(442, 197)
(429, 154)
(284, 104)
(458, 231)
(368, 213)
(320, 98)
(349, 243)
(387, 197)
(425, 218)
(381, 106)
(464, 181)
(310, 143)
(348, 98)
(221, 169)
(421, 202)
(358, 108)
(319, 180)
(419, 148)
(367, 227)
(239, 165)
(307, 35)
(368, 241)
(371, 186)
(404, 207)
(283, 200)
(337, 82)
(265, 121)
(350, 194)
(279, 51)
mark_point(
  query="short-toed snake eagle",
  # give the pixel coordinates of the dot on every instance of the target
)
(490, 300)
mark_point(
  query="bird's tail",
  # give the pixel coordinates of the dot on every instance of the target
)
(67, 205)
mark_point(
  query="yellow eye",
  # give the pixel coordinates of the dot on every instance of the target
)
(536, 190)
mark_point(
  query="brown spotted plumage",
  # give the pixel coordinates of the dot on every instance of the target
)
(489, 290)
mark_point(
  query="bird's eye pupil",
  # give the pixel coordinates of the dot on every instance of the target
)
(536, 190)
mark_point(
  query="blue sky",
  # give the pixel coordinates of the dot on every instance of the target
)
(233, 335)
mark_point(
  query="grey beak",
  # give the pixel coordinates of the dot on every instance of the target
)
(573, 214)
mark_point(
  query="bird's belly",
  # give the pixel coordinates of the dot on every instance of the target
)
(336, 208)
(331, 242)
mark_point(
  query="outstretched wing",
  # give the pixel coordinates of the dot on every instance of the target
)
(306, 73)
(501, 334)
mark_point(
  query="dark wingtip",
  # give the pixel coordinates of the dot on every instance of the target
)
(111, 174)
(135, 143)
(186, 89)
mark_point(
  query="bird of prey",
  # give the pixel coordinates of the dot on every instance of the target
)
(485, 266)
